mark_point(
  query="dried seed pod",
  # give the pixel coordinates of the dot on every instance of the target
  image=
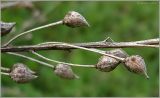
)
(136, 64)
(65, 71)
(118, 52)
(74, 19)
(108, 64)
(21, 73)
(6, 27)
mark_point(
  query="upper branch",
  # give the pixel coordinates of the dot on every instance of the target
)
(101, 44)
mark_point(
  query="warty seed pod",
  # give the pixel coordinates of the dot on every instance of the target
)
(6, 27)
(118, 52)
(21, 73)
(107, 64)
(65, 71)
(136, 65)
(74, 19)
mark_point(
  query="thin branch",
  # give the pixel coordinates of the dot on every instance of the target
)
(5, 69)
(17, 3)
(3, 73)
(9, 4)
(34, 29)
(101, 44)
(149, 41)
(55, 61)
(32, 59)
(83, 48)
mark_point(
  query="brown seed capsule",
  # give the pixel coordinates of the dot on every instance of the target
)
(21, 73)
(108, 64)
(65, 71)
(136, 64)
(74, 19)
(6, 27)
(118, 52)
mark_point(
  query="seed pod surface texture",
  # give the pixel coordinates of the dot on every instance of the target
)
(65, 71)
(74, 19)
(118, 52)
(21, 73)
(108, 64)
(136, 64)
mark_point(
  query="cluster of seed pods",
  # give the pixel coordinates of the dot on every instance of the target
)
(134, 63)
(22, 74)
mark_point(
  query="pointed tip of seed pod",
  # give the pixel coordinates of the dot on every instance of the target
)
(13, 23)
(31, 71)
(86, 23)
(77, 77)
(34, 76)
(146, 75)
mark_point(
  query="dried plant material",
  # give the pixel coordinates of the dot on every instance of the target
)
(136, 64)
(65, 71)
(6, 27)
(74, 19)
(108, 64)
(118, 52)
(21, 73)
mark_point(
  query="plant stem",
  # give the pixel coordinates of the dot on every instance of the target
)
(99, 44)
(83, 48)
(32, 59)
(3, 73)
(5, 69)
(34, 29)
(55, 61)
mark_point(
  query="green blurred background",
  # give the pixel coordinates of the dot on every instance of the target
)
(122, 21)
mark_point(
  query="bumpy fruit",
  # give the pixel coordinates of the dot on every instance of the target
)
(65, 71)
(21, 73)
(108, 64)
(118, 52)
(136, 65)
(74, 19)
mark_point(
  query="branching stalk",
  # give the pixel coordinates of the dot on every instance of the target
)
(3, 73)
(5, 69)
(83, 48)
(34, 29)
(32, 59)
(55, 61)
(150, 43)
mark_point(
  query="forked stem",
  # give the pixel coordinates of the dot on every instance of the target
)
(55, 61)
(34, 29)
(32, 59)
(5, 69)
(83, 48)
